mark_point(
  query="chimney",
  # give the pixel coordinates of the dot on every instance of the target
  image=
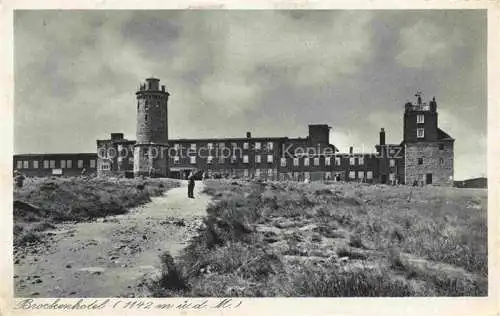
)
(350, 150)
(249, 135)
(382, 137)
(162, 88)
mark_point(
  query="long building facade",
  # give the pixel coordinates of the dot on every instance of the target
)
(424, 156)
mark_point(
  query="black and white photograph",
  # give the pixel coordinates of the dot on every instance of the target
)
(250, 153)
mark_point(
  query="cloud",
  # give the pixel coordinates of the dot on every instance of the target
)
(427, 45)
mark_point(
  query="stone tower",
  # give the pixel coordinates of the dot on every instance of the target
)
(151, 148)
(428, 150)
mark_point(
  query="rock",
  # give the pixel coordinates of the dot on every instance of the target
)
(35, 294)
(72, 293)
(270, 240)
(112, 258)
(36, 277)
(308, 227)
(68, 265)
(285, 224)
(38, 281)
(144, 237)
(97, 273)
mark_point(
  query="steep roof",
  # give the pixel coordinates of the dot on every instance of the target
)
(442, 135)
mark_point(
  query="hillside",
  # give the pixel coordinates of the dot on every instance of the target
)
(296, 239)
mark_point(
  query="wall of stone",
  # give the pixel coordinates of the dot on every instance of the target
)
(441, 170)
(152, 122)
(150, 156)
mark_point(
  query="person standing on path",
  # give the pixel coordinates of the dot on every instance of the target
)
(191, 185)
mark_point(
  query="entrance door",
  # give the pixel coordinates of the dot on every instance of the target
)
(383, 179)
(428, 178)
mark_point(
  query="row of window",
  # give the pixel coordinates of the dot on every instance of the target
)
(246, 145)
(51, 164)
(420, 161)
(283, 162)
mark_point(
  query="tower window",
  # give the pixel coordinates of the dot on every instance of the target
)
(420, 161)
(420, 118)
(257, 158)
(327, 161)
(295, 162)
(306, 161)
(316, 161)
(257, 146)
(420, 132)
(392, 163)
(441, 161)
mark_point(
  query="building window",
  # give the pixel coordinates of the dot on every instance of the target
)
(327, 161)
(441, 146)
(192, 160)
(420, 118)
(245, 172)
(233, 159)
(146, 116)
(234, 145)
(105, 166)
(222, 145)
(176, 147)
(316, 161)
(176, 159)
(296, 162)
(420, 132)
(337, 161)
(352, 174)
(392, 162)
(245, 146)
(307, 175)
(245, 159)
(306, 161)
(221, 159)
(53, 164)
(210, 145)
(361, 161)
(257, 146)
(26, 164)
(283, 162)
(369, 175)
(257, 159)
(361, 174)
(352, 161)
(270, 146)
(79, 164)
(257, 172)
(420, 161)
(19, 164)
(210, 159)
(46, 164)
(69, 164)
(193, 146)
(269, 158)
(270, 172)
(63, 164)
(441, 161)
(35, 164)
(392, 177)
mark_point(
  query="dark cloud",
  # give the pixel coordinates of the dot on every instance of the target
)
(269, 72)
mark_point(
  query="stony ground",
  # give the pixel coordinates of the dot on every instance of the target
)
(112, 256)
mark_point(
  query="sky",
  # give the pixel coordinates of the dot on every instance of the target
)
(268, 72)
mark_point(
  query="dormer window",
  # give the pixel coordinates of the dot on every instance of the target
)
(420, 133)
(420, 118)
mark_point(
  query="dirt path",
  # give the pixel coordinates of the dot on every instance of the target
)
(110, 257)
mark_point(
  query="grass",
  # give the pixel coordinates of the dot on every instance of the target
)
(297, 239)
(46, 201)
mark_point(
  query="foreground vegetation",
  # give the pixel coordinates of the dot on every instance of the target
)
(43, 202)
(296, 239)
